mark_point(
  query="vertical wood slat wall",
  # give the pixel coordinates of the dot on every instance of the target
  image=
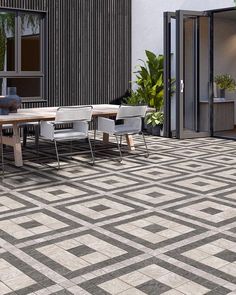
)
(89, 49)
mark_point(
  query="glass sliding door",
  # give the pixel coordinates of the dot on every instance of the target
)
(191, 103)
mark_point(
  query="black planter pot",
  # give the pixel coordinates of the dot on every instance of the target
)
(149, 128)
(156, 130)
(222, 93)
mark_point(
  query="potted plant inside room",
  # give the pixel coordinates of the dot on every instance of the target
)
(225, 82)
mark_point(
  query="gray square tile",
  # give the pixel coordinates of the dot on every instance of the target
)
(211, 211)
(227, 255)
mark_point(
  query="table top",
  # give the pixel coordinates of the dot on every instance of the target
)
(49, 113)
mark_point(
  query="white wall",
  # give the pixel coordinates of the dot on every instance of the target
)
(147, 22)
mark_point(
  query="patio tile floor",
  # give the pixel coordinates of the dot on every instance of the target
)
(162, 225)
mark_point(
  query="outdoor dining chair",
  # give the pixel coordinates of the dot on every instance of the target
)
(131, 118)
(79, 117)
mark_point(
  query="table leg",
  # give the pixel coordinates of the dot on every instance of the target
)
(105, 138)
(17, 146)
(130, 142)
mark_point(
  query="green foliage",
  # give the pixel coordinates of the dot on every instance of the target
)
(225, 82)
(150, 82)
(155, 118)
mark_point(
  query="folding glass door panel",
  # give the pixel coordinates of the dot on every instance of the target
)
(169, 74)
(193, 75)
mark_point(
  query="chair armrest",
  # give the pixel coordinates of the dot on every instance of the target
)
(47, 129)
(106, 125)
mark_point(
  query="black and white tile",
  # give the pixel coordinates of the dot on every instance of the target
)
(162, 225)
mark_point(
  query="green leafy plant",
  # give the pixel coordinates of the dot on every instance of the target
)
(150, 82)
(155, 119)
(225, 82)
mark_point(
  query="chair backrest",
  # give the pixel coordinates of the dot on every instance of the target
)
(73, 114)
(126, 112)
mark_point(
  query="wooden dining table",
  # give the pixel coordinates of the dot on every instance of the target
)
(46, 114)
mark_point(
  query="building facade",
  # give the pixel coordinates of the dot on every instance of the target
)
(66, 52)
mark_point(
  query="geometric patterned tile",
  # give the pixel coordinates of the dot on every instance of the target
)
(215, 255)
(200, 184)
(156, 173)
(23, 227)
(112, 182)
(180, 202)
(78, 254)
(52, 194)
(19, 277)
(152, 276)
(10, 203)
(155, 195)
(207, 211)
(154, 230)
(99, 209)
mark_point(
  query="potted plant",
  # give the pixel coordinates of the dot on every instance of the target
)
(155, 120)
(225, 82)
(150, 86)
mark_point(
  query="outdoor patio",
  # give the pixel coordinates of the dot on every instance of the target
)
(163, 225)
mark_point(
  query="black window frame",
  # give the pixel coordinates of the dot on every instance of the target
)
(18, 72)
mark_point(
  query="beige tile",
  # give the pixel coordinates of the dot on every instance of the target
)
(196, 254)
(191, 288)
(135, 278)
(132, 291)
(63, 257)
(4, 289)
(19, 282)
(154, 271)
(95, 257)
(229, 269)
(210, 249)
(115, 286)
(173, 280)
(214, 262)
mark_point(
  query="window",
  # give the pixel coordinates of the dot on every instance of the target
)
(22, 56)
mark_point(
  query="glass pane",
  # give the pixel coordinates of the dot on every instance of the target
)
(26, 87)
(189, 72)
(30, 42)
(7, 41)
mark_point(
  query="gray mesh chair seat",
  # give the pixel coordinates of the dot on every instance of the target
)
(78, 117)
(131, 117)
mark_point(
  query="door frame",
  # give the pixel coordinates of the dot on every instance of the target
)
(179, 16)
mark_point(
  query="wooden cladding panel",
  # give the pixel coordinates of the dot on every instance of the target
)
(89, 49)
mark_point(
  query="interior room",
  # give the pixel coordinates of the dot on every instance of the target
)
(225, 63)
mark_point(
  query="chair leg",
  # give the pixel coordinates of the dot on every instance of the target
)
(94, 143)
(36, 140)
(91, 150)
(145, 143)
(119, 148)
(120, 140)
(58, 160)
(25, 133)
(2, 154)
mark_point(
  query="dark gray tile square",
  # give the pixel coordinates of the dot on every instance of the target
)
(81, 250)
(227, 255)
(30, 224)
(211, 211)
(200, 183)
(99, 208)
(155, 195)
(57, 192)
(153, 287)
(154, 228)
